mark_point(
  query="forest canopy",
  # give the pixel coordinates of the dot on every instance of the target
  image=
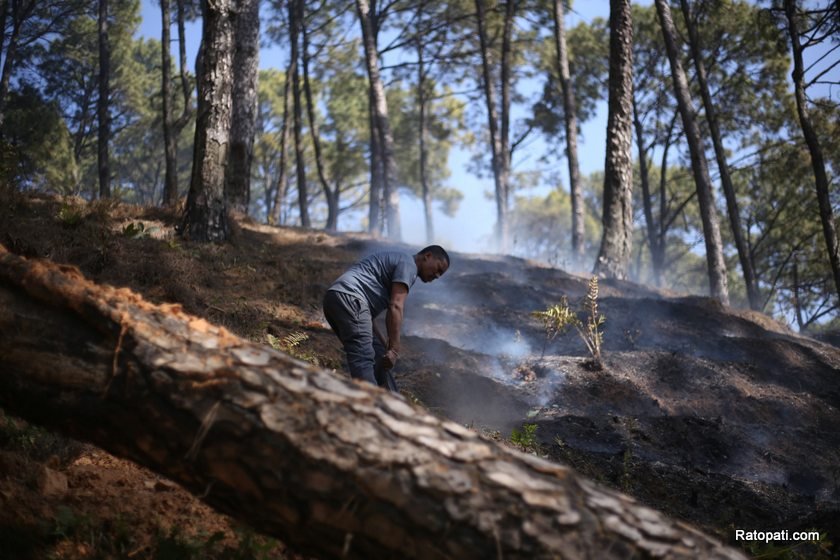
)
(720, 161)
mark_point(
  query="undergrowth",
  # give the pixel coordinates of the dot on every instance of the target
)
(525, 439)
(557, 320)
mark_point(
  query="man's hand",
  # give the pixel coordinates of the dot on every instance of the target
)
(390, 358)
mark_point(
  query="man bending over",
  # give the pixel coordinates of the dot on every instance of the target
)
(377, 282)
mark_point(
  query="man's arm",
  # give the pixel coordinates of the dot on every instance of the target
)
(393, 322)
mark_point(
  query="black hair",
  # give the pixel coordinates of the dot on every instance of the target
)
(437, 251)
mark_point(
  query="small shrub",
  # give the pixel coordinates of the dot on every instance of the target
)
(70, 215)
(526, 438)
(558, 318)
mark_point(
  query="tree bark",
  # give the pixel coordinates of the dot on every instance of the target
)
(504, 128)
(814, 148)
(276, 216)
(297, 119)
(376, 219)
(750, 279)
(172, 127)
(186, 90)
(700, 168)
(380, 118)
(498, 120)
(570, 118)
(614, 254)
(647, 203)
(205, 217)
(10, 54)
(245, 85)
(423, 132)
(332, 467)
(104, 105)
(330, 195)
(170, 184)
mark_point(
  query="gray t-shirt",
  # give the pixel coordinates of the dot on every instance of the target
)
(371, 278)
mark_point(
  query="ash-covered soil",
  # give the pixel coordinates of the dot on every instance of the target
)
(721, 417)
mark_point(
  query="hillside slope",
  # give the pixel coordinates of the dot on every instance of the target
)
(722, 418)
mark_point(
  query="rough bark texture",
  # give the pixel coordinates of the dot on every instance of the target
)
(245, 84)
(205, 217)
(733, 211)
(333, 468)
(170, 183)
(104, 105)
(814, 148)
(570, 118)
(383, 127)
(700, 168)
(617, 218)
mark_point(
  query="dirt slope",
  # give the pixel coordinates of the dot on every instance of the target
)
(722, 418)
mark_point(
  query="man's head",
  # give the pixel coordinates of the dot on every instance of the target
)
(432, 262)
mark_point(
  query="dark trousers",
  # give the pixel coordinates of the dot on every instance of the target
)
(351, 321)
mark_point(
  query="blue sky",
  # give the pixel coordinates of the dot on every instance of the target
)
(471, 228)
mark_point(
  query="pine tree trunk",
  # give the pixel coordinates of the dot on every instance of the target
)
(700, 168)
(376, 214)
(205, 217)
(614, 255)
(104, 106)
(186, 90)
(647, 202)
(499, 159)
(10, 54)
(276, 214)
(297, 120)
(172, 127)
(570, 118)
(750, 279)
(423, 127)
(170, 183)
(332, 467)
(332, 208)
(245, 85)
(504, 129)
(664, 220)
(817, 161)
(382, 123)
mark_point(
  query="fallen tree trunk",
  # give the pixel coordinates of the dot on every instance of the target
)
(331, 467)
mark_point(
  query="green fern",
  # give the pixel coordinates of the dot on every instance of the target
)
(294, 340)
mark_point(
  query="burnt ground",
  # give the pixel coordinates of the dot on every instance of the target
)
(717, 416)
